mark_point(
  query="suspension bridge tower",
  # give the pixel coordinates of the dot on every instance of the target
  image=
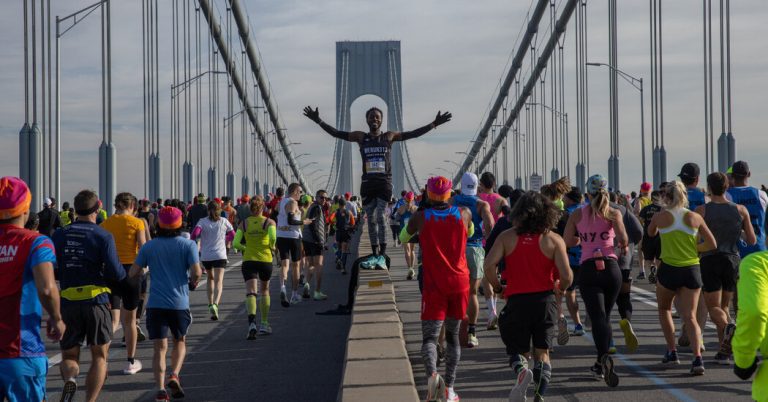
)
(367, 68)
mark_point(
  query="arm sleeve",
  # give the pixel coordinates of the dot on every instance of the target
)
(195, 233)
(272, 233)
(753, 309)
(238, 239)
(292, 220)
(230, 235)
(407, 135)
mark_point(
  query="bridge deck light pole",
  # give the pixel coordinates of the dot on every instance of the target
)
(637, 83)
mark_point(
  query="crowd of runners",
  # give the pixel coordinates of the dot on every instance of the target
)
(700, 240)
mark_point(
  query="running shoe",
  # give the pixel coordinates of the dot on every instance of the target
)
(132, 368)
(683, 340)
(697, 366)
(301, 280)
(381, 262)
(411, 273)
(493, 321)
(641, 275)
(69, 390)
(284, 299)
(295, 299)
(722, 359)
(578, 330)
(162, 396)
(440, 354)
(609, 374)
(451, 395)
(265, 329)
(343, 271)
(597, 371)
(214, 310)
(524, 378)
(671, 357)
(652, 275)
(435, 388)
(174, 385)
(562, 331)
(725, 347)
(319, 295)
(472, 341)
(305, 294)
(612, 348)
(538, 398)
(630, 339)
(252, 331)
(140, 337)
(338, 265)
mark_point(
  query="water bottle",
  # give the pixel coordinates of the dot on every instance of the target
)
(599, 262)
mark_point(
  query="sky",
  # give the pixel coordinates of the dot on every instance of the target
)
(454, 54)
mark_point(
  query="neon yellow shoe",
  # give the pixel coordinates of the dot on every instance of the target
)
(630, 339)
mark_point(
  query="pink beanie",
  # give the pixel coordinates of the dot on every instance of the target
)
(15, 197)
(439, 188)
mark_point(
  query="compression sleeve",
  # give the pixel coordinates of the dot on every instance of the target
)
(238, 241)
(471, 231)
(195, 233)
(292, 220)
(230, 235)
(753, 308)
(272, 233)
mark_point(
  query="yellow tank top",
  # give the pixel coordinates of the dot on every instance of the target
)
(258, 239)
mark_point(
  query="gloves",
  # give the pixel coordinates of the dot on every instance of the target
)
(746, 373)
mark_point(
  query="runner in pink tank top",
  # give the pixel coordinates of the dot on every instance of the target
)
(487, 194)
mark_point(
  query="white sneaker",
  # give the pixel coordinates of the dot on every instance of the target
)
(435, 388)
(295, 299)
(524, 378)
(132, 368)
(493, 321)
(451, 395)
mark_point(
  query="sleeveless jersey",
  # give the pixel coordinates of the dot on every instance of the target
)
(527, 269)
(695, 198)
(596, 233)
(443, 247)
(375, 152)
(20, 309)
(724, 220)
(678, 241)
(470, 202)
(491, 199)
(283, 228)
(258, 246)
(749, 197)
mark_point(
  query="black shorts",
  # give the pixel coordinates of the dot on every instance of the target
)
(720, 272)
(160, 320)
(576, 269)
(626, 276)
(215, 264)
(87, 325)
(528, 318)
(289, 248)
(674, 278)
(256, 270)
(342, 236)
(127, 294)
(651, 248)
(312, 249)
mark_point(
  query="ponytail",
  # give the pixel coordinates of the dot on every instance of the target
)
(675, 195)
(600, 204)
(214, 211)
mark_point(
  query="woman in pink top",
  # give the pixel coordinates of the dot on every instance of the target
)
(595, 226)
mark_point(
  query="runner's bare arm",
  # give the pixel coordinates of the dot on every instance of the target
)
(407, 135)
(492, 260)
(485, 213)
(746, 226)
(48, 293)
(570, 236)
(561, 261)
(314, 115)
(709, 243)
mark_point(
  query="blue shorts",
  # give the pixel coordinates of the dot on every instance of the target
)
(23, 378)
(160, 320)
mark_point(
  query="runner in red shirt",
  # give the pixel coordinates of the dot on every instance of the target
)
(536, 267)
(443, 230)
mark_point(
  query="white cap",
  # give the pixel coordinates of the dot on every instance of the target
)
(469, 184)
(47, 202)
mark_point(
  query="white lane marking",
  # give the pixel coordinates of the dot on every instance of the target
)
(56, 359)
(649, 298)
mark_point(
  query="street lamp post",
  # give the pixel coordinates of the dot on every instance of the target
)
(637, 83)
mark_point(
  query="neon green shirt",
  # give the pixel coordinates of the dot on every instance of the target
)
(260, 239)
(678, 241)
(752, 319)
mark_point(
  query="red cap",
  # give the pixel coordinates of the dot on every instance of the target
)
(347, 196)
(646, 187)
(409, 195)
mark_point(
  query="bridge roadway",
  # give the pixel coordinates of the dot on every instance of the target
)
(301, 361)
(484, 374)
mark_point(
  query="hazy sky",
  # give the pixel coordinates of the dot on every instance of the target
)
(453, 55)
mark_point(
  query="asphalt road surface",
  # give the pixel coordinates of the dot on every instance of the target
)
(301, 361)
(484, 374)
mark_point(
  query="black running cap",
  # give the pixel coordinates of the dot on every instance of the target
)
(689, 171)
(740, 168)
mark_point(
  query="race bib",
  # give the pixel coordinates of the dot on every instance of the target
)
(375, 166)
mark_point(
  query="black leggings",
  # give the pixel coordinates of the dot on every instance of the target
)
(599, 290)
